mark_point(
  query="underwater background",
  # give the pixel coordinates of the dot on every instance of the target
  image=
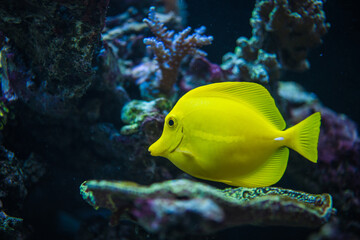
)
(83, 97)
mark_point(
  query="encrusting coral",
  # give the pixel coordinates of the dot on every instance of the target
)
(170, 49)
(180, 207)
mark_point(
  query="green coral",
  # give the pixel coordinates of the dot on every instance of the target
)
(239, 206)
(251, 63)
(136, 111)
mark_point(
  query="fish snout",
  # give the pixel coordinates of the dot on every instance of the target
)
(155, 149)
(151, 149)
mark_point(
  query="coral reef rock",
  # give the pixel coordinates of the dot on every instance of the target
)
(283, 32)
(136, 111)
(8, 223)
(58, 39)
(289, 29)
(180, 207)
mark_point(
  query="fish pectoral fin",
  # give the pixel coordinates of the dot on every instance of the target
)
(268, 174)
(186, 152)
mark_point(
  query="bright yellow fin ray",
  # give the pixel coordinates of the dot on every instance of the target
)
(305, 137)
(251, 94)
(270, 173)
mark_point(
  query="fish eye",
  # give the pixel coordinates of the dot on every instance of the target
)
(171, 122)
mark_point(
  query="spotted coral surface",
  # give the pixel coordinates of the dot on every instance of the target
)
(178, 204)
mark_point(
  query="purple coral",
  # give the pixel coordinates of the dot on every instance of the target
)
(171, 48)
(337, 171)
(183, 207)
(163, 214)
(201, 71)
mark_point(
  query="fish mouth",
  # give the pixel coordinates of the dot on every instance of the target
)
(182, 136)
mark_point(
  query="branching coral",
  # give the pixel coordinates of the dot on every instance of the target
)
(171, 48)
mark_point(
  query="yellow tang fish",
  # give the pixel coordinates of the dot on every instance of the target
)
(232, 132)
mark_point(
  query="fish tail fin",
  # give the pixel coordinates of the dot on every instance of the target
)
(304, 137)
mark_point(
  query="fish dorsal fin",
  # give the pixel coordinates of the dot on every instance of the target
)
(269, 174)
(252, 94)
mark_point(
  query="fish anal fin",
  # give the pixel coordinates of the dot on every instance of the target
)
(251, 94)
(269, 174)
(185, 152)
